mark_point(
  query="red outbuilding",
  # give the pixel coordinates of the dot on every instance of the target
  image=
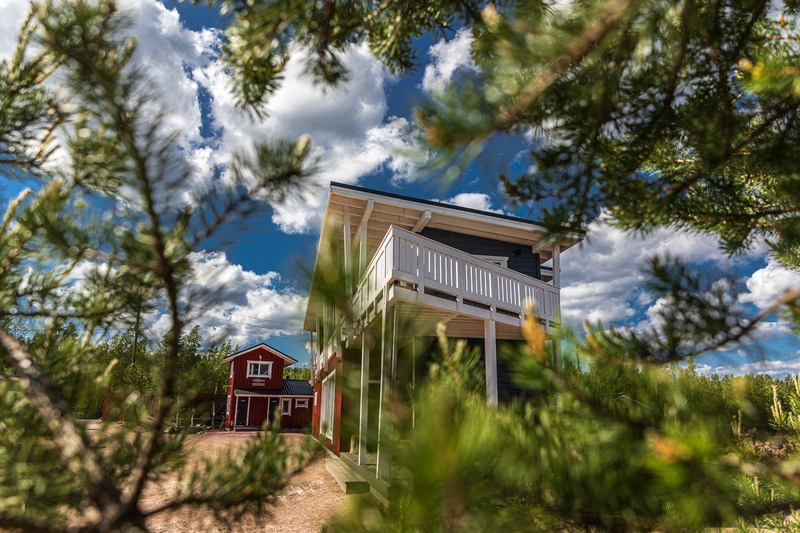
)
(258, 394)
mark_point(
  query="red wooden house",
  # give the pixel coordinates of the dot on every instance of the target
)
(258, 394)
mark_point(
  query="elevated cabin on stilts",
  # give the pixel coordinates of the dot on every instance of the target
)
(409, 265)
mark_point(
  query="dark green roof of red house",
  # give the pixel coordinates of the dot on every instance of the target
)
(291, 387)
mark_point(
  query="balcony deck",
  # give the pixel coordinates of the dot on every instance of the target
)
(453, 286)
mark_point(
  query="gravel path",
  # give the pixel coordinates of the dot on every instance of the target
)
(311, 498)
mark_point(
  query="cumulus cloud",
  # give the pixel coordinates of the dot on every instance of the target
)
(767, 284)
(236, 305)
(352, 133)
(447, 57)
(169, 54)
(349, 126)
(602, 278)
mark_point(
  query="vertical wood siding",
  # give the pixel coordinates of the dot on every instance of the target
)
(240, 379)
(258, 410)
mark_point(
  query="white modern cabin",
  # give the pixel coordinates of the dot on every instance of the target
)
(416, 263)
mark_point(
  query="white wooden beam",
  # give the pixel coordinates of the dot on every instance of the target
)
(348, 257)
(422, 222)
(363, 428)
(365, 218)
(490, 360)
(361, 235)
(541, 245)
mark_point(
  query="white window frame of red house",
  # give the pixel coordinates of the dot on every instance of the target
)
(260, 364)
(328, 400)
(288, 403)
(301, 403)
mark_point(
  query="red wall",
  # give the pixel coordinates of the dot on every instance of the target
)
(259, 410)
(240, 379)
(300, 418)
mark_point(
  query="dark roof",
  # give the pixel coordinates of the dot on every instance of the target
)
(291, 387)
(450, 206)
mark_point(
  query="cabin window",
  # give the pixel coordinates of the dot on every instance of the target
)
(327, 400)
(496, 259)
(286, 407)
(301, 404)
(259, 369)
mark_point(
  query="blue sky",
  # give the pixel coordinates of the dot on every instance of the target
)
(362, 132)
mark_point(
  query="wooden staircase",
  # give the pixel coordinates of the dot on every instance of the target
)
(350, 482)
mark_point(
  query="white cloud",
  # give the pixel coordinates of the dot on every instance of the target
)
(447, 57)
(767, 284)
(602, 277)
(348, 124)
(774, 367)
(473, 200)
(169, 53)
(167, 57)
(236, 305)
(14, 12)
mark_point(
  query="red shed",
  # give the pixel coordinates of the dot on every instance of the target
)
(258, 394)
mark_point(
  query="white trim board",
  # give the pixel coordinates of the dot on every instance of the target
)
(270, 349)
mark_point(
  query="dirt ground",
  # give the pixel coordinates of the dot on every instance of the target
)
(311, 498)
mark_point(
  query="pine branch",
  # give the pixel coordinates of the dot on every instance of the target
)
(595, 32)
(78, 455)
(743, 329)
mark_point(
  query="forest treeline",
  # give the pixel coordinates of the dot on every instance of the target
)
(121, 365)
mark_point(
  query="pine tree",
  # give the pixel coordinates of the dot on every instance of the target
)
(96, 238)
(649, 114)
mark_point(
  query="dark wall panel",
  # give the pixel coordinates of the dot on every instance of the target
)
(520, 257)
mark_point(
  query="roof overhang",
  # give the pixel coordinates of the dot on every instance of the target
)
(231, 357)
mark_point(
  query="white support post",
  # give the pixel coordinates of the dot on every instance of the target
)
(363, 428)
(557, 265)
(384, 424)
(311, 351)
(558, 361)
(319, 347)
(490, 360)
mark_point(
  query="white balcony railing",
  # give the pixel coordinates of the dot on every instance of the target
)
(437, 269)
